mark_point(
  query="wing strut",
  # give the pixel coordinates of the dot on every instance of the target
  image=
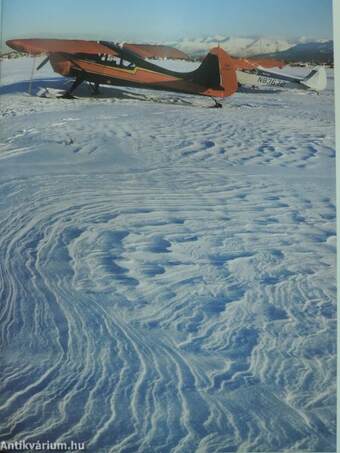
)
(31, 79)
(217, 104)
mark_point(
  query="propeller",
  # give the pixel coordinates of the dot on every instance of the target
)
(45, 60)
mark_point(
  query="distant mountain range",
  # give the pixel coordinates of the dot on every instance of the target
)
(299, 49)
(320, 52)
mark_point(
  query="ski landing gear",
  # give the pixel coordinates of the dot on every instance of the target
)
(217, 104)
(94, 88)
(68, 94)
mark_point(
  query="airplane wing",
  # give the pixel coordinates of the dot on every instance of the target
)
(70, 46)
(156, 51)
(254, 63)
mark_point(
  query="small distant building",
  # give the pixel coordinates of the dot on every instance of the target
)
(9, 55)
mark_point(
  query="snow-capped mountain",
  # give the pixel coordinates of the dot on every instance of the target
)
(266, 45)
(321, 51)
(238, 46)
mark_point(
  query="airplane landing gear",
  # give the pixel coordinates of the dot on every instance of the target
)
(75, 85)
(217, 104)
(94, 88)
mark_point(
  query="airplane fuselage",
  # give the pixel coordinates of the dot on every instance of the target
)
(114, 71)
(257, 79)
(316, 80)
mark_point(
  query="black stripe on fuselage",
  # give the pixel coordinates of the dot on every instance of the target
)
(207, 74)
(112, 81)
(131, 56)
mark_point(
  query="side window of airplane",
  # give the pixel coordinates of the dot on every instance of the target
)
(115, 61)
(126, 64)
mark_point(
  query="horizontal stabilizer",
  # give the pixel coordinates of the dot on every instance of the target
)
(316, 80)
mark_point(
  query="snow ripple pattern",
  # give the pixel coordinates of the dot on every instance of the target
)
(156, 329)
(179, 299)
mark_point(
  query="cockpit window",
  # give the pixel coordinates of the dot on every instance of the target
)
(115, 61)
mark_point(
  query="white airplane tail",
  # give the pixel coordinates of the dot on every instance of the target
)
(316, 80)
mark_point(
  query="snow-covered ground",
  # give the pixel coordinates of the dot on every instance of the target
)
(167, 271)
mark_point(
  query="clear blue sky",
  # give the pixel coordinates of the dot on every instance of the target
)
(158, 20)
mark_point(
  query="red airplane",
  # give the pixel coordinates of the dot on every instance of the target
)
(107, 63)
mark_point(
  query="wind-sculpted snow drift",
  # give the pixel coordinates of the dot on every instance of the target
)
(168, 272)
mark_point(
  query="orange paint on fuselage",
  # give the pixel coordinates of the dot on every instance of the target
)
(134, 77)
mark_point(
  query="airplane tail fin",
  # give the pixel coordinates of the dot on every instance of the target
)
(216, 73)
(316, 80)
